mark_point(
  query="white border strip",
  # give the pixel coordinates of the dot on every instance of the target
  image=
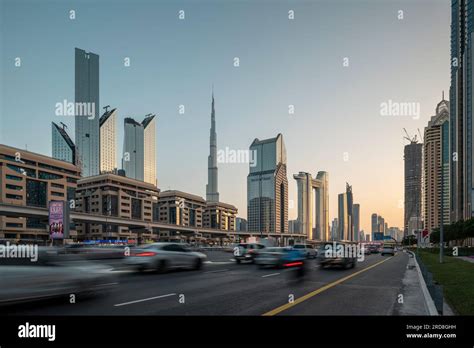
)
(429, 303)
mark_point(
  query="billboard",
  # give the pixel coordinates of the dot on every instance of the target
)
(58, 220)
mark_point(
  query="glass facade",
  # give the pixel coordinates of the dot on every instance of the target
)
(36, 193)
(267, 187)
(87, 128)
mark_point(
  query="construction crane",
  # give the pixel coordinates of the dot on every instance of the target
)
(410, 139)
(421, 137)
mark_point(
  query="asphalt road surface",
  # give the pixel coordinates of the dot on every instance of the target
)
(223, 287)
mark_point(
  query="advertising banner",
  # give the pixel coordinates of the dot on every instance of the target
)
(56, 219)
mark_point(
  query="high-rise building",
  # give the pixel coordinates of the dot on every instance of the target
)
(108, 141)
(413, 181)
(345, 214)
(379, 227)
(62, 145)
(461, 109)
(356, 218)
(313, 205)
(335, 229)
(212, 193)
(267, 187)
(240, 224)
(149, 149)
(436, 168)
(374, 223)
(87, 98)
(139, 156)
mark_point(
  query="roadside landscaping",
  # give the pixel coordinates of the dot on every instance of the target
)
(457, 278)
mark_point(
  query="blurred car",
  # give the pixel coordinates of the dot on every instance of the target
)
(161, 257)
(273, 257)
(247, 251)
(95, 252)
(52, 275)
(327, 255)
(374, 249)
(388, 250)
(308, 250)
(366, 250)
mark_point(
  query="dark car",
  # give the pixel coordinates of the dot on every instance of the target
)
(329, 254)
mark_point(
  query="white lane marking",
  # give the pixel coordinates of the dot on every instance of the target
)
(270, 275)
(107, 284)
(145, 299)
(218, 262)
(219, 270)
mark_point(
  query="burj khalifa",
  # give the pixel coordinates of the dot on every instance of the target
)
(212, 195)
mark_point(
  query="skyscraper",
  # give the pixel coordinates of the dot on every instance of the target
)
(313, 205)
(212, 193)
(149, 149)
(63, 147)
(87, 97)
(413, 181)
(356, 218)
(345, 214)
(460, 95)
(108, 141)
(374, 222)
(436, 168)
(334, 229)
(139, 159)
(267, 187)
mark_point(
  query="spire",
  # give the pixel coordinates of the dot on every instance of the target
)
(212, 194)
(443, 96)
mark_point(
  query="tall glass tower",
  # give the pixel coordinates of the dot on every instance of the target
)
(460, 124)
(139, 154)
(267, 187)
(62, 145)
(87, 126)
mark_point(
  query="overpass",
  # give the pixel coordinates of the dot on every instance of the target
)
(133, 224)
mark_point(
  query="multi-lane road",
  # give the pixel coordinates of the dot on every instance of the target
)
(223, 287)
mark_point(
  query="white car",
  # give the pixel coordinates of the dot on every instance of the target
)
(307, 249)
(52, 275)
(161, 257)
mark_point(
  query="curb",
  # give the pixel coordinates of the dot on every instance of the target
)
(429, 303)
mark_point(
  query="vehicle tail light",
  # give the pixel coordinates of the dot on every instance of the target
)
(146, 254)
(292, 264)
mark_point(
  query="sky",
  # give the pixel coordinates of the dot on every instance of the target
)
(336, 63)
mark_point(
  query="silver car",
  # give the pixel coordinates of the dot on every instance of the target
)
(51, 275)
(307, 249)
(161, 257)
(272, 257)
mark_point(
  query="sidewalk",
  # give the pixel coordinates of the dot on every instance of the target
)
(467, 258)
(413, 299)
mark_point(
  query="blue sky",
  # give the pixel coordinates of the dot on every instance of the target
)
(282, 62)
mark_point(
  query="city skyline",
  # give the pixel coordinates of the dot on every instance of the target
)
(310, 148)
